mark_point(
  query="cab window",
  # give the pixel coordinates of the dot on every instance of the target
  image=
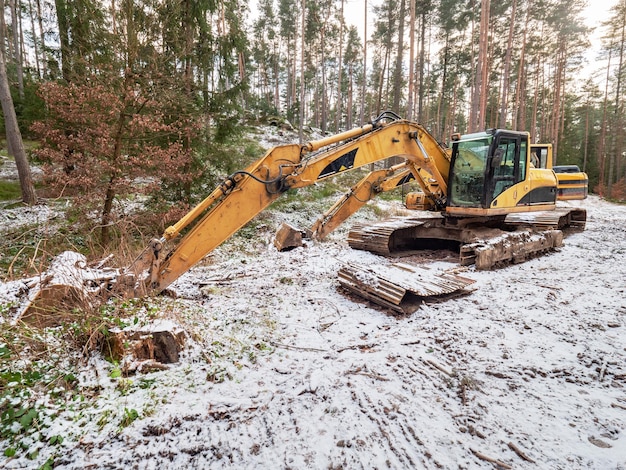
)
(505, 173)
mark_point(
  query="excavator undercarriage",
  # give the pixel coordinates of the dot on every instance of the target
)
(487, 244)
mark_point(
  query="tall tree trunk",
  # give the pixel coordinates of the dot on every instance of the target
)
(350, 97)
(473, 74)
(442, 96)
(294, 72)
(44, 64)
(187, 28)
(324, 102)
(507, 69)
(302, 95)
(14, 4)
(276, 79)
(14, 137)
(603, 128)
(339, 71)
(556, 103)
(397, 75)
(616, 153)
(364, 84)
(64, 37)
(420, 104)
(479, 100)
(483, 60)
(520, 101)
(409, 105)
(586, 137)
(38, 60)
(381, 81)
(107, 208)
(113, 18)
(533, 128)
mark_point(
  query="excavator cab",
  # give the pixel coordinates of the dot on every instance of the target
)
(491, 175)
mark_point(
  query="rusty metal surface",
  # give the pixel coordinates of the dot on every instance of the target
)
(512, 247)
(287, 237)
(559, 218)
(521, 236)
(376, 237)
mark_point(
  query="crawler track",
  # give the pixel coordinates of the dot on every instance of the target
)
(515, 239)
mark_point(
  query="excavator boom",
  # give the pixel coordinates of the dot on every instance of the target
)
(246, 193)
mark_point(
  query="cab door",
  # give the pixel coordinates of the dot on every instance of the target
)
(506, 168)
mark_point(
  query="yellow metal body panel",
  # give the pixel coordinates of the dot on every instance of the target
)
(517, 198)
(571, 186)
(230, 207)
(512, 198)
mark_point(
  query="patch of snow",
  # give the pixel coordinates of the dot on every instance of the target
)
(42, 216)
(287, 371)
(8, 170)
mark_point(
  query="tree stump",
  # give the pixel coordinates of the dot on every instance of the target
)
(147, 347)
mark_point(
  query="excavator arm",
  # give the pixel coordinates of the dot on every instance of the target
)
(374, 183)
(244, 194)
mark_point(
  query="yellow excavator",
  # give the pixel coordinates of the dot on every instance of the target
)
(483, 195)
(475, 188)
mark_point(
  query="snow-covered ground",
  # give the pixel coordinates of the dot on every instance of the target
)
(283, 369)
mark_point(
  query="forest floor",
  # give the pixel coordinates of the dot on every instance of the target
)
(281, 368)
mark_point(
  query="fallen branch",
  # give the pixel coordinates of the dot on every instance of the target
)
(519, 452)
(359, 371)
(551, 287)
(437, 366)
(490, 459)
(617, 405)
(103, 262)
(296, 348)
(475, 432)
(358, 346)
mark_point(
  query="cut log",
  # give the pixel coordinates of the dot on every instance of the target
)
(287, 238)
(68, 285)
